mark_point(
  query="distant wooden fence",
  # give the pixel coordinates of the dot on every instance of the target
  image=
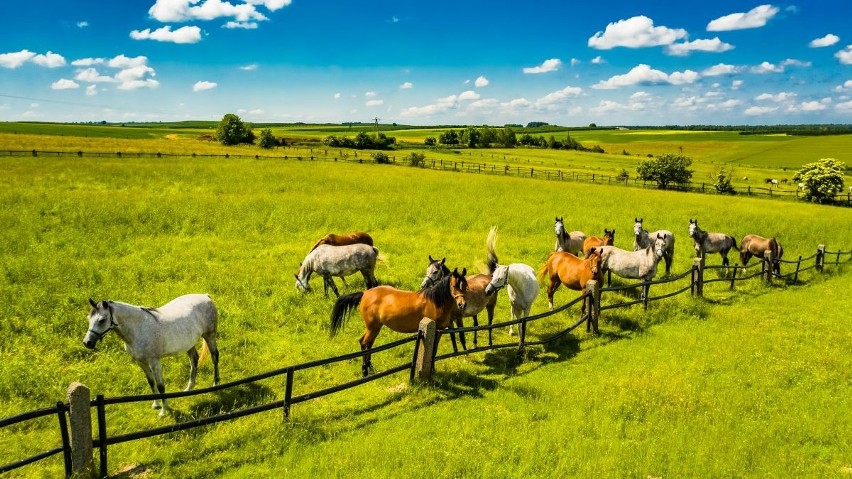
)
(77, 445)
(843, 199)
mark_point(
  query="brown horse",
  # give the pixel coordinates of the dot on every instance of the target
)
(573, 272)
(401, 310)
(593, 242)
(754, 245)
(475, 297)
(343, 240)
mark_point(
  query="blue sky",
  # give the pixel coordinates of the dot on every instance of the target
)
(441, 62)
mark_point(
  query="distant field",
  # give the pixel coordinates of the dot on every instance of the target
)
(688, 388)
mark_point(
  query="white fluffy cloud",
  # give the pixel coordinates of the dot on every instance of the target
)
(49, 60)
(754, 18)
(468, 96)
(122, 61)
(481, 82)
(406, 86)
(778, 97)
(64, 84)
(133, 72)
(712, 45)
(87, 62)
(558, 96)
(760, 110)
(204, 85)
(242, 25)
(844, 107)
(337, 96)
(374, 103)
(250, 67)
(91, 90)
(187, 34)
(644, 74)
(91, 75)
(547, 66)
(15, 59)
(635, 32)
(82, 24)
(813, 106)
(720, 69)
(244, 13)
(598, 60)
(825, 41)
(767, 67)
(845, 55)
(736, 84)
(846, 86)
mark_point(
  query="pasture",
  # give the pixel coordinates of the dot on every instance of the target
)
(724, 386)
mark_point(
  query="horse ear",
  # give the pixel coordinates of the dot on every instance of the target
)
(93, 303)
(591, 251)
(443, 260)
(296, 276)
(464, 272)
(430, 259)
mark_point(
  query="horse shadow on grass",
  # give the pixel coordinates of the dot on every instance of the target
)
(226, 400)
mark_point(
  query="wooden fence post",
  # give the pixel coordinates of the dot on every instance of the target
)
(769, 264)
(80, 415)
(698, 276)
(426, 351)
(820, 257)
(593, 295)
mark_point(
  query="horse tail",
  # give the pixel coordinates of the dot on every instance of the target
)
(342, 307)
(733, 242)
(544, 270)
(204, 355)
(380, 257)
(491, 243)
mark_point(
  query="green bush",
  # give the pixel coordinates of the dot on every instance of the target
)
(416, 159)
(267, 139)
(381, 158)
(822, 179)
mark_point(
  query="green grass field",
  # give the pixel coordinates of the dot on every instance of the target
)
(753, 382)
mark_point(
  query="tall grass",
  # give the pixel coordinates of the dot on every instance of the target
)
(146, 230)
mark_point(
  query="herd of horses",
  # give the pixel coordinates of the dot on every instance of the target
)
(445, 296)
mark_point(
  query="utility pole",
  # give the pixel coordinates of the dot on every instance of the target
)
(377, 125)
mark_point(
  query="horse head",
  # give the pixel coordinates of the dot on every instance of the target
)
(594, 261)
(693, 227)
(559, 227)
(660, 245)
(434, 272)
(101, 321)
(499, 278)
(609, 237)
(458, 287)
(302, 285)
(637, 226)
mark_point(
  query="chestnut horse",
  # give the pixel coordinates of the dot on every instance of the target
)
(475, 297)
(592, 242)
(343, 240)
(573, 272)
(754, 245)
(401, 310)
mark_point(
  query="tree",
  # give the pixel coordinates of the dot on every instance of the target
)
(821, 180)
(429, 141)
(267, 139)
(449, 137)
(666, 169)
(232, 131)
(471, 137)
(507, 138)
(722, 181)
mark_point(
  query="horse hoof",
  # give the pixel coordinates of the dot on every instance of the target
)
(155, 405)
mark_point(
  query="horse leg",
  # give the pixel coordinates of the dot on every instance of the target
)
(490, 310)
(460, 325)
(475, 325)
(551, 289)
(157, 370)
(343, 278)
(210, 340)
(193, 367)
(333, 286)
(366, 341)
(152, 380)
(516, 314)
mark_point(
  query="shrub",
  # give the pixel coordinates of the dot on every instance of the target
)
(722, 181)
(267, 139)
(822, 179)
(623, 176)
(381, 158)
(430, 141)
(416, 159)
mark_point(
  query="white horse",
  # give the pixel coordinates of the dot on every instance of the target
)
(642, 239)
(571, 242)
(151, 333)
(328, 261)
(520, 278)
(705, 242)
(639, 264)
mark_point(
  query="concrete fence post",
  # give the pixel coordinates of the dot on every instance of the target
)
(80, 416)
(426, 352)
(820, 257)
(593, 294)
(769, 264)
(698, 276)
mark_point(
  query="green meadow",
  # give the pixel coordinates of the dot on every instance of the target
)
(750, 382)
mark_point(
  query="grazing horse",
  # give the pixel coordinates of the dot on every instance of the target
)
(328, 261)
(607, 240)
(571, 242)
(475, 298)
(400, 310)
(520, 278)
(705, 242)
(642, 239)
(151, 333)
(573, 272)
(332, 239)
(754, 245)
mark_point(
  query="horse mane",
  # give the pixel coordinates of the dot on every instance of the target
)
(491, 243)
(439, 292)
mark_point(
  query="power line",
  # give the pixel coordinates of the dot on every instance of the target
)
(92, 105)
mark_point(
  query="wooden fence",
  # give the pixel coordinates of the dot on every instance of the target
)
(843, 199)
(77, 442)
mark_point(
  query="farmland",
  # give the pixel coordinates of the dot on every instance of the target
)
(730, 385)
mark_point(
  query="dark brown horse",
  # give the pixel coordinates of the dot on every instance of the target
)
(343, 240)
(401, 310)
(573, 272)
(593, 242)
(754, 245)
(475, 298)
